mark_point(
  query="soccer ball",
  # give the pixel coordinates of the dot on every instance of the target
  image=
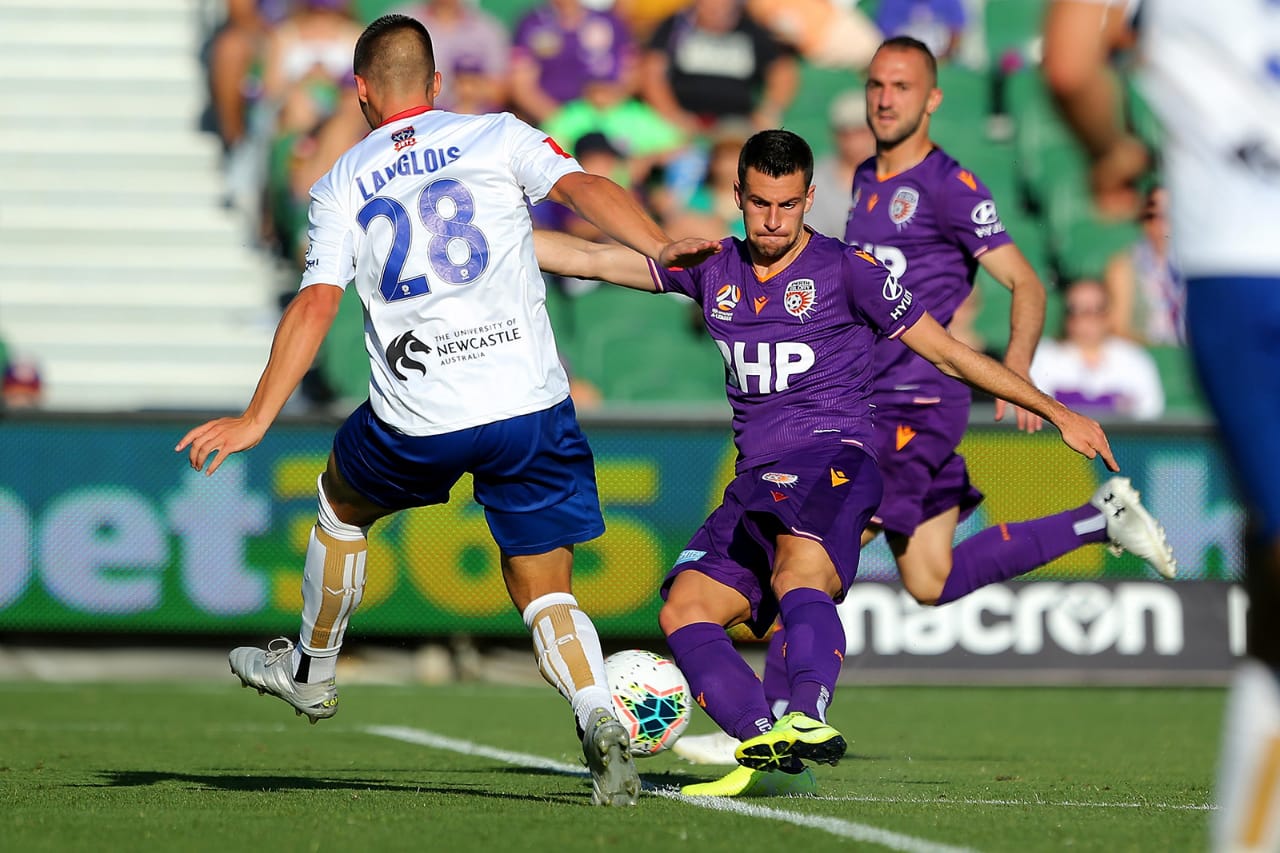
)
(652, 699)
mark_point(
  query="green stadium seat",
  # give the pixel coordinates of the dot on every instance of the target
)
(342, 360)
(1183, 397)
(638, 347)
(1087, 244)
(965, 92)
(807, 115)
(1012, 25)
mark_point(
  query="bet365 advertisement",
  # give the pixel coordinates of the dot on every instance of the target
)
(104, 528)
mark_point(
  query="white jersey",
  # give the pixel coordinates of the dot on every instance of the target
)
(1125, 381)
(1212, 74)
(428, 216)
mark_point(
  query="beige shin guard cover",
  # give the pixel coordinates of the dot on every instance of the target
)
(566, 643)
(332, 585)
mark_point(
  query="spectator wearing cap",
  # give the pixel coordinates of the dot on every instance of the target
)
(833, 173)
(470, 43)
(630, 125)
(560, 44)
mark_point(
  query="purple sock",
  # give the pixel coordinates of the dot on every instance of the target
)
(1008, 550)
(775, 670)
(815, 649)
(722, 682)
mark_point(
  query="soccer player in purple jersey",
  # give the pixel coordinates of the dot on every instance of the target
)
(932, 223)
(796, 316)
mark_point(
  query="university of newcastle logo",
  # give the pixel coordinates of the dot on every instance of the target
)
(399, 355)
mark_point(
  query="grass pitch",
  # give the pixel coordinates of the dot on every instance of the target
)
(160, 767)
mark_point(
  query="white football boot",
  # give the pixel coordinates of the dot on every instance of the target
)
(270, 670)
(715, 748)
(1131, 528)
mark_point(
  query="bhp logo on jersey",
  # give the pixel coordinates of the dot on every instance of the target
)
(772, 367)
(403, 138)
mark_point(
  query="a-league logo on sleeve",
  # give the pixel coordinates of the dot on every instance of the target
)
(403, 138)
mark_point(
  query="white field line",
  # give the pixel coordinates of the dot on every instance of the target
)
(1061, 804)
(835, 826)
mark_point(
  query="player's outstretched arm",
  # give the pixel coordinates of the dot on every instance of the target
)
(293, 350)
(1011, 268)
(617, 213)
(932, 342)
(564, 254)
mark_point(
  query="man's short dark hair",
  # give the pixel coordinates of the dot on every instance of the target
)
(909, 43)
(372, 44)
(776, 153)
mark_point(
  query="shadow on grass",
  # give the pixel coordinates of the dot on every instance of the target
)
(249, 782)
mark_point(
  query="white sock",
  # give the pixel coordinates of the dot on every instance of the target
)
(568, 651)
(1248, 816)
(332, 586)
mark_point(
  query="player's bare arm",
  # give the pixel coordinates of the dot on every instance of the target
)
(617, 213)
(932, 342)
(1011, 269)
(293, 350)
(564, 254)
(1079, 38)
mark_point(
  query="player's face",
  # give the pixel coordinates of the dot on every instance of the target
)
(900, 96)
(773, 211)
(1086, 310)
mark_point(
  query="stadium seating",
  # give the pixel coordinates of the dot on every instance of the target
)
(1183, 397)
(121, 273)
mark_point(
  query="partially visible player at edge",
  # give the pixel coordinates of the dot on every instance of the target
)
(1211, 73)
(932, 223)
(427, 215)
(795, 315)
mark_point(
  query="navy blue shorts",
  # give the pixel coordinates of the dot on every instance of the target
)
(533, 474)
(823, 492)
(1233, 327)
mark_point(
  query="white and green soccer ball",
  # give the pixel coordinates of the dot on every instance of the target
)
(652, 698)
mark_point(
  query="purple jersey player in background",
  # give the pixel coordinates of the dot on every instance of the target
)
(932, 223)
(796, 316)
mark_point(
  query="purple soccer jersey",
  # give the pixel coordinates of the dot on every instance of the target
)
(928, 226)
(596, 49)
(797, 346)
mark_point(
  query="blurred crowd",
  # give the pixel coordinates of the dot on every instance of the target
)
(656, 94)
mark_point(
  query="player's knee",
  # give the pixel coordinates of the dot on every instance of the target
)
(673, 616)
(795, 575)
(925, 590)
(678, 611)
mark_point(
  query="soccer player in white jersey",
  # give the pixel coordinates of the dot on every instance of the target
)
(1211, 72)
(428, 217)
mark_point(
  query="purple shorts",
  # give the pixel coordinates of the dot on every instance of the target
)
(923, 474)
(825, 492)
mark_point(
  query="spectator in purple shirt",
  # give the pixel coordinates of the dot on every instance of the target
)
(558, 46)
(467, 39)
